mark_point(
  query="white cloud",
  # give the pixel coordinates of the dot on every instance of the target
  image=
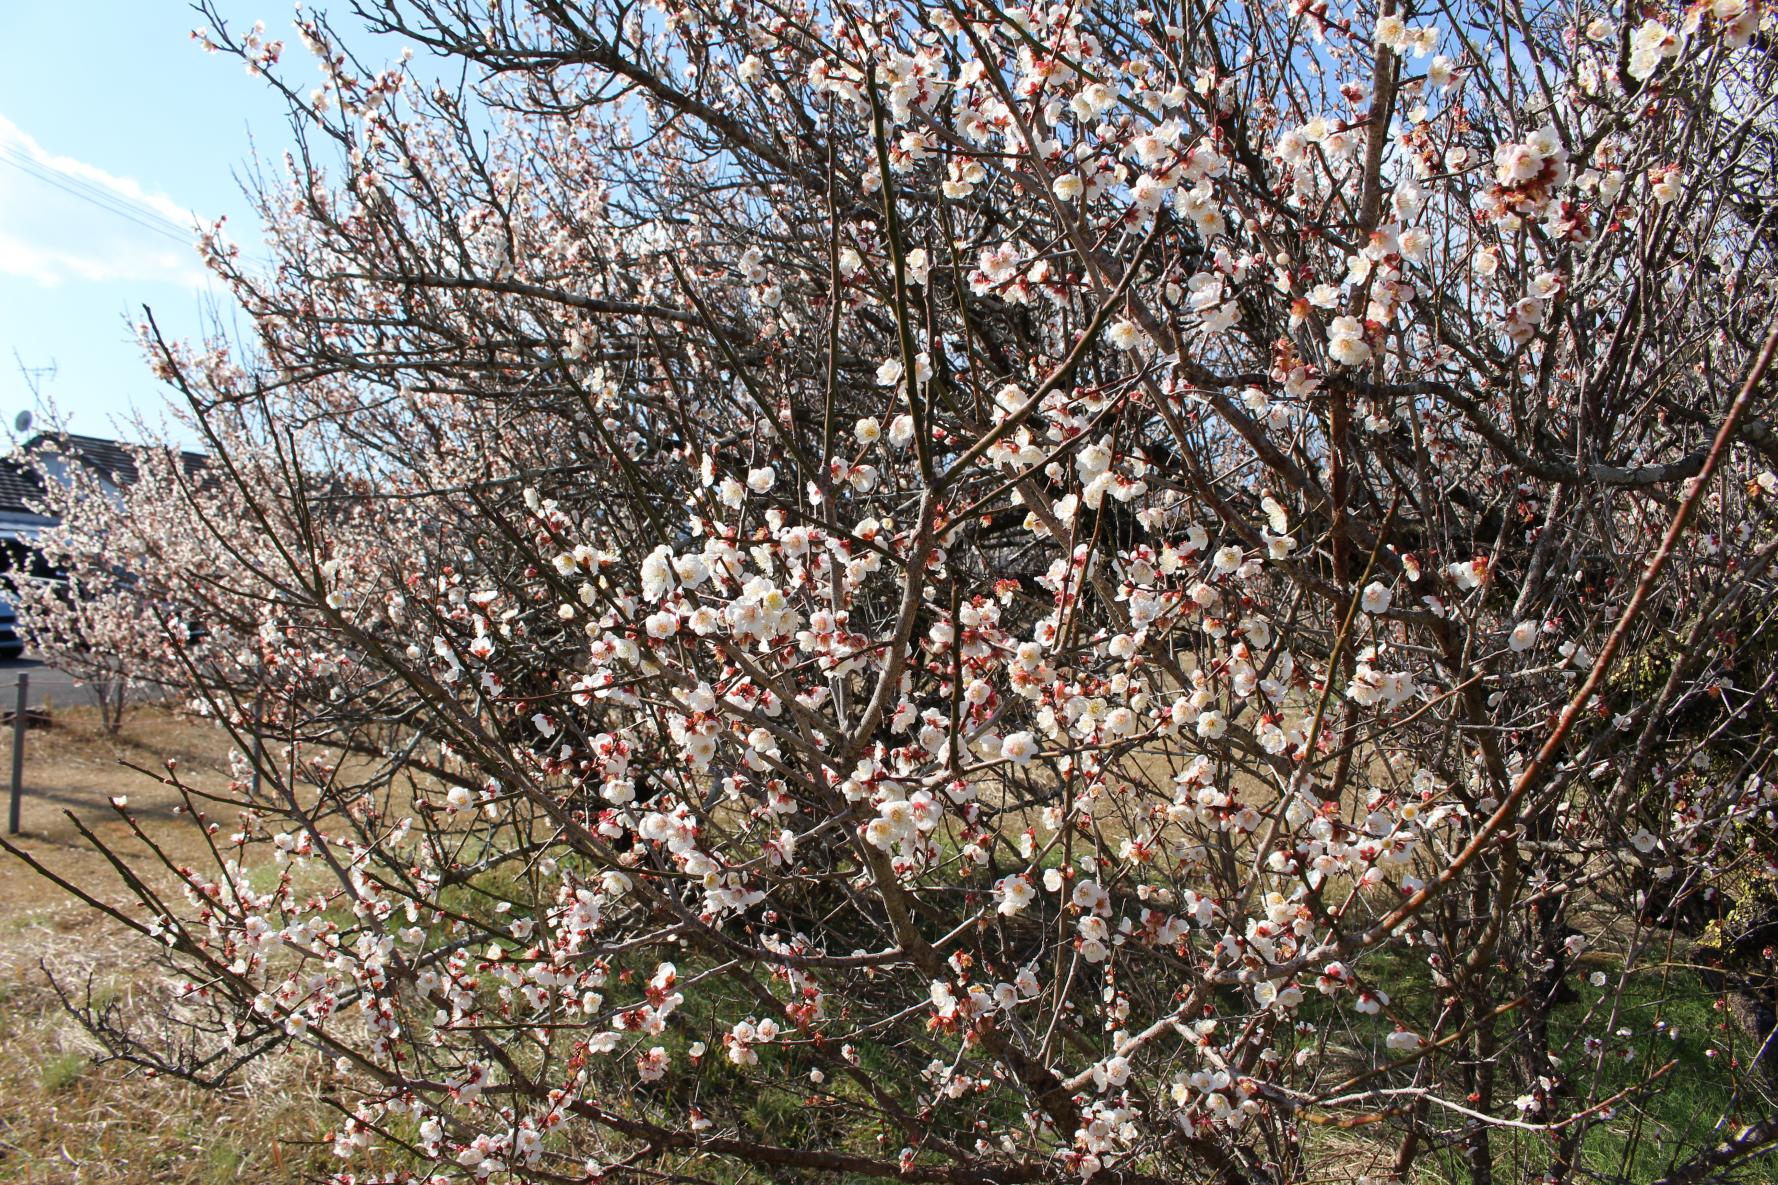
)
(51, 267)
(11, 135)
(55, 226)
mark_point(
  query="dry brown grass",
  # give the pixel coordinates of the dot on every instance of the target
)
(66, 1114)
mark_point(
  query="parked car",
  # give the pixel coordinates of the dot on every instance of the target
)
(12, 645)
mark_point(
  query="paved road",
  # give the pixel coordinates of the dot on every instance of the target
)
(46, 686)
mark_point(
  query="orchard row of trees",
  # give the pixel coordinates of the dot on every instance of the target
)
(1112, 591)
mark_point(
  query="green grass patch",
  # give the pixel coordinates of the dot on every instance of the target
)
(61, 1072)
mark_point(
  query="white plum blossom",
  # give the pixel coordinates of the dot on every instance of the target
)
(1126, 335)
(1345, 342)
(1018, 748)
(1015, 893)
(1091, 583)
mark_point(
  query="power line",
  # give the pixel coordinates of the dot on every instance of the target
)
(140, 217)
(105, 199)
(105, 196)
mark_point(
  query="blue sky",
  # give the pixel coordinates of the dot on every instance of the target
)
(114, 125)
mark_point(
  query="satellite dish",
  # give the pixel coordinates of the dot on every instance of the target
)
(22, 423)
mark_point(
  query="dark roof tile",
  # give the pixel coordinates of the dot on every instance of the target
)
(19, 487)
(110, 459)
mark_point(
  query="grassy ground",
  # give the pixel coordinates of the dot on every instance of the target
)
(67, 1115)
(1665, 1013)
(64, 1116)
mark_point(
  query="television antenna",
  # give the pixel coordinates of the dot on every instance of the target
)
(35, 376)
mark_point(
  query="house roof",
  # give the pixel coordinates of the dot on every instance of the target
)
(110, 459)
(19, 487)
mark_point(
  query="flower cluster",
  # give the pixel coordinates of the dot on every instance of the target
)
(1073, 595)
